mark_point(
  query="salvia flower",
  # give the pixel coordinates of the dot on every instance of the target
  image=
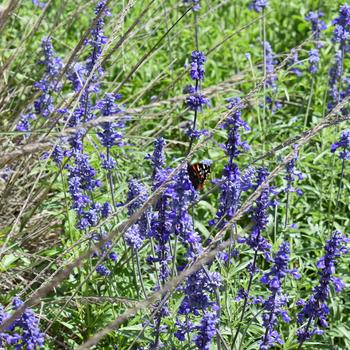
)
(292, 175)
(57, 154)
(197, 65)
(137, 196)
(335, 76)
(247, 178)
(133, 237)
(5, 173)
(24, 123)
(103, 270)
(107, 106)
(232, 184)
(200, 286)
(295, 62)
(262, 203)
(105, 252)
(341, 34)
(76, 76)
(184, 196)
(110, 136)
(39, 4)
(157, 160)
(196, 101)
(199, 290)
(24, 332)
(233, 123)
(98, 39)
(161, 230)
(43, 105)
(161, 226)
(105, 210)
(314, 59)
(274, 305)
(107, 163)
(343, 144)
(53, 64)
(76, 141)
(194, 3)
(196, 134)
(81, 181)
(206, 331)
(341, 31)
(270, 62)
(85, 172)
(231, 181)
(113, 256)
(317, 25)
(183, 328)
(260, 218)
(230, 187)
(189, 89)
(79, 73)
(258, 5)
(315, 309)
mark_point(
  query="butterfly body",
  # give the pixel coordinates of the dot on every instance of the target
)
(198, 173)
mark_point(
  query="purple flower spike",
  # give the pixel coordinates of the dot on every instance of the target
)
(234, 145)
(315, 309)
(183, 197)
(39, 4)
(103, 270)
(43, 106)
(341, 34)
(342, 25)
(275, 303)
(197, 65)
(53, 64)
(231, 183)
(137, 196)
(206, 331)
(24, 332)
(133, 238)
(317, 26)
(335, 77)
(270, 66)
(260, 218)
(24, 123)
(229, 196)
(194, 3)
(343, 144)
(157, 160)
(198, 291)
(295, 63)
(196, 101)
(314, 59)
(258, 5)
(196, 134)
(293, 175)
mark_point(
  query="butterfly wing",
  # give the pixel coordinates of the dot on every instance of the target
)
(198, 173)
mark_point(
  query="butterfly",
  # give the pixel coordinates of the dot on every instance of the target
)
(198, 173)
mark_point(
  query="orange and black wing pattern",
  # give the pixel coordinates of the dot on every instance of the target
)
(198, 173)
